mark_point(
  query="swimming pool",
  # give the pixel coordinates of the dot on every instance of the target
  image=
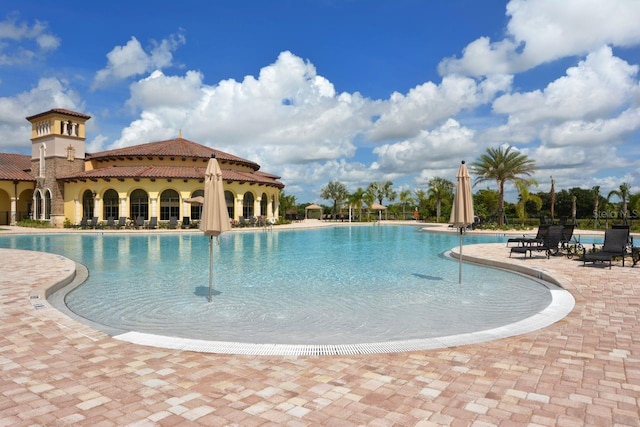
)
(338, 285)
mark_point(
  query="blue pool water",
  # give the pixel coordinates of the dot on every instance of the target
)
(337, 285)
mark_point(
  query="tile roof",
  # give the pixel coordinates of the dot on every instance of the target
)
(171, 172)
(60, 111)
(177, 147)
(15, 167)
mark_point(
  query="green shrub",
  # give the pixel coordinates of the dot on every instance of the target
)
(34, 223)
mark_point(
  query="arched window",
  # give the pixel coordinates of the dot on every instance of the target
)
(111, 204)
(139, 204)
(247, 205)
(87, 204)
(229, 199)
(263, 204)
(47, 204)
(196, 208)
(169, 205)
(37, 209)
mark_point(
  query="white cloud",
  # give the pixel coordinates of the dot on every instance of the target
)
(132, 60)
(429, 150)
(49, 93)
(542, 31)
(596, 87)
(21, 43)
(287, 114)
(430, 104)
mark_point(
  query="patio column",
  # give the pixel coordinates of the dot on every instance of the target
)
(14, 209)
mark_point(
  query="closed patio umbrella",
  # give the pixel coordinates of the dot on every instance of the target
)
(462, 209)
(215, 219)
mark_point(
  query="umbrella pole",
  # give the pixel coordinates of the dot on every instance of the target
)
(210, 268)
(460, 260)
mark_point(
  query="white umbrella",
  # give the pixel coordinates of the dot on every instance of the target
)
(462, 209)
(215, 218)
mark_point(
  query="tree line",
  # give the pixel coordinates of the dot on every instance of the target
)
(497, 166)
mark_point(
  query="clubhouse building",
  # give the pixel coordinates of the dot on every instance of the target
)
(63, 184)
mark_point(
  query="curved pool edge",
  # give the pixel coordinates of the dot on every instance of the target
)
(561, 305)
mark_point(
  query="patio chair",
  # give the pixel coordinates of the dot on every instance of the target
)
(111, 222)
(122, 222)
(616, 241)
(153, 223)
(94, 222)
(83, 222)
(548, 245)
(139, 222)
(173, 222)
(542, 231)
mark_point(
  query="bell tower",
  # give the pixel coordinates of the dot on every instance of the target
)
(57, 149)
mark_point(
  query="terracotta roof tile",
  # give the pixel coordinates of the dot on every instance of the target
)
(178, 147)
(60, 111)
(15, 167)
(170, 172)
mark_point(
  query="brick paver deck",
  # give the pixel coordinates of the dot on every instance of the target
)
(582, 370)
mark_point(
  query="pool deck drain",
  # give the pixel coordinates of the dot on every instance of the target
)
(561, 304)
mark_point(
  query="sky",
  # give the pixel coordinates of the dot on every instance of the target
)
(356, 91)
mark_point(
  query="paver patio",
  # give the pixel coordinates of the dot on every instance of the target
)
(582, 370)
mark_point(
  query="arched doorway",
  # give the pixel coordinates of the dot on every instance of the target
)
(229, 200)
(139, 204)
(111, 204)
(196, 208)
(47, 204)
(37, 209)
(247, 205)
(169, 205)
(87, 204)
(263, 204)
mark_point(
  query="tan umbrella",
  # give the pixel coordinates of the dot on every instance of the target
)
(215, 219)
(462, 209)
(198, 200)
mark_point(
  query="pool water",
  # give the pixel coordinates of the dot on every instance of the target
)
(339, 285)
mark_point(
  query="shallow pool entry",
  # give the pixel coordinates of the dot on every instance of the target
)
(342, 286)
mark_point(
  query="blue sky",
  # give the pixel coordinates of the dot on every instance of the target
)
(354, 90)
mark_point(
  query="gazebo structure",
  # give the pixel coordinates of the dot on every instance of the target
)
(312, 208)
(378, 207)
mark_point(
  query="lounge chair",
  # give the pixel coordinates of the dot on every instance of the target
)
(616, 241)
(139, 222)
(549, 244)
(153, 223)
(111, 222)
(173, 222)
(122, 222)
(94, 222)
(542, 231)
(83, 222)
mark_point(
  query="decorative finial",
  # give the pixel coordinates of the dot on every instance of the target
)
(463, 162)
(213, 155)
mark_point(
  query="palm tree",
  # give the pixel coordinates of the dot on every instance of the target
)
(439, 189)
(381, 191)
(405, 198)
(596, 205)
(356, 199)
(526, 196)
(502, 166)
(336, 191)
(623, 194)
(286, 202)
(420, 198)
